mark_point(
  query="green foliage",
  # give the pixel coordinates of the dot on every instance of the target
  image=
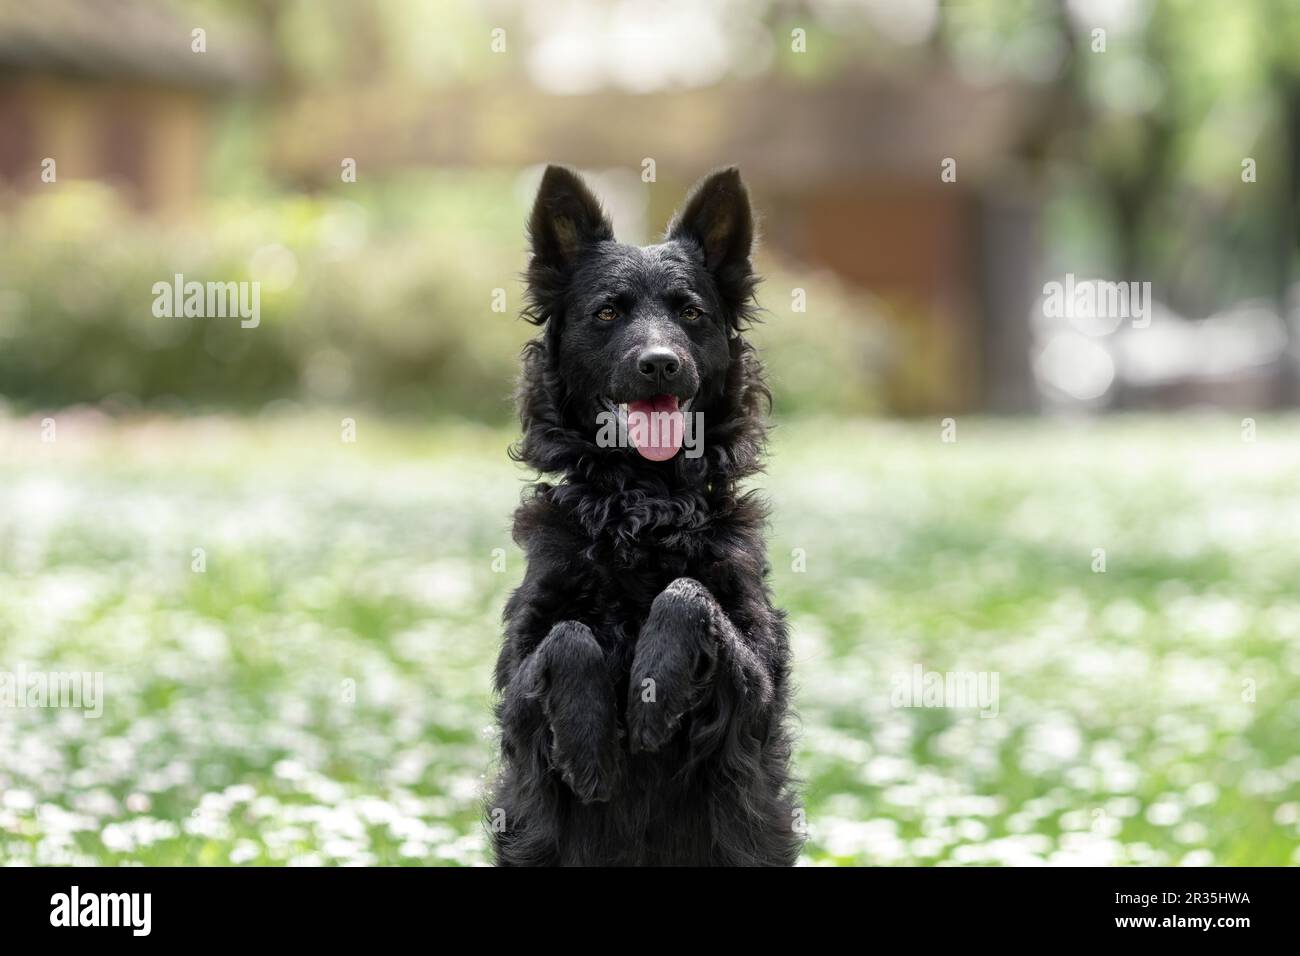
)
(350, 311)
(379, 297)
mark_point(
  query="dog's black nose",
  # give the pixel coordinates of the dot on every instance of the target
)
(658, 363)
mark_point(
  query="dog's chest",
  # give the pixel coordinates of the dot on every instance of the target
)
(618, 559)
(630, 577)
(619, 580)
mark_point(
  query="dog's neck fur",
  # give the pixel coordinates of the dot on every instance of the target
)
(613, 491)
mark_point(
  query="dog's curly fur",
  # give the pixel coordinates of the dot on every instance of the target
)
(642, 574)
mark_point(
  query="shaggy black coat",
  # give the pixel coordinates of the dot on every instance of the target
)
(644, 677)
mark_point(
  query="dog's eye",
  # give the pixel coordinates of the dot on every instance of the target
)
(607, 314)
(690, 313)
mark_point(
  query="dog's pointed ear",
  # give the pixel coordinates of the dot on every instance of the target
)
(566, 217)
(717, 217)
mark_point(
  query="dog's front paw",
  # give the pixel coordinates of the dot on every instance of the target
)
(650, 725)
(673, 664)
(578, 703)
(587, 759)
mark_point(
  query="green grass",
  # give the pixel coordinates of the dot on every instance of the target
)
(321, 692)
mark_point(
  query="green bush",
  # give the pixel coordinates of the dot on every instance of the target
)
(385, 299)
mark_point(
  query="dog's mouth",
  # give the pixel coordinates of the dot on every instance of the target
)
(655, 426)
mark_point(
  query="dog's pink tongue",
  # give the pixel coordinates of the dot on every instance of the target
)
(655, 427)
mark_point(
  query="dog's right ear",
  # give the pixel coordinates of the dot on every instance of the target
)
(566, 217)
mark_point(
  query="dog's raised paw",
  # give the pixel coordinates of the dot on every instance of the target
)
(587, 785)
(650, 726)
(590, 768)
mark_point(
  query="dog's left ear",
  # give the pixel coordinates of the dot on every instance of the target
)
(566, 218)
(718, 219)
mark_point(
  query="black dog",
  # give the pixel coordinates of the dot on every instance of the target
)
(644, 677)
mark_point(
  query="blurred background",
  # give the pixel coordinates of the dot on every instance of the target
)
(297, 620)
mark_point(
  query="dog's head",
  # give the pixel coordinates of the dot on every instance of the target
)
(638, 330)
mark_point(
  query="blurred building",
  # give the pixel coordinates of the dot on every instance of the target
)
(847, 175)
(113, 90)
(919, 155)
